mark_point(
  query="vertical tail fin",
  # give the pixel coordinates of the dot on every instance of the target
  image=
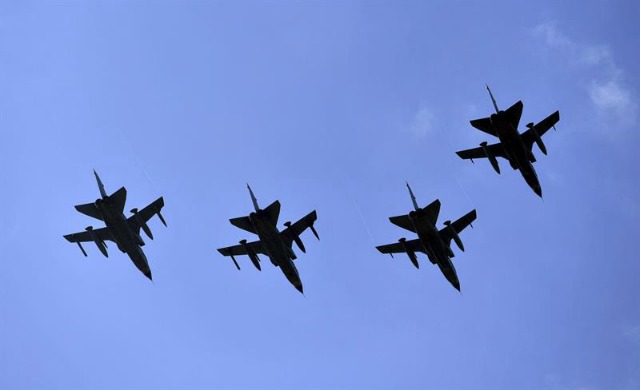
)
(495, 105)
(413, 198)
(253, 198)
(100, 185)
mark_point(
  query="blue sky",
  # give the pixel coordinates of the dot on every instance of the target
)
(326, 106)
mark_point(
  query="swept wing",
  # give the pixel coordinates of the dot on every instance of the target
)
(432, 211)
(457, 226)
(294, 230)
(103, 234)
(398, 247)
(496, 150)
(140, 218)
(240, 250)
(541, 127)
(484, 124)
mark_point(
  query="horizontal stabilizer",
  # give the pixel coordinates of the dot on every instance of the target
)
(514, 113)
(403, 221)
(433, 211)
(243, 223)
(274, 211)
(89, 209)
(119, 198)
(484, 124)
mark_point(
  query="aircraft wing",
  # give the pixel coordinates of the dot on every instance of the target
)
(458, 226)
(239, 250)
(103, 233)
(297, 228)
(397, 247)
(147, 213)
(243, 223)
(89, 209)
(514, 113)
(541, 127)
(470, 154)
(484, 124)
(403, 221)
(432, 210)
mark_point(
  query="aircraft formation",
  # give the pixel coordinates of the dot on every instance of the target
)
(277, 244)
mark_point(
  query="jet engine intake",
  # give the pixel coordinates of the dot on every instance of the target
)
(139, 239)
(292, 254)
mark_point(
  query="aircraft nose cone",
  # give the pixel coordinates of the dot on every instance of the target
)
(538, 191)
(299, 288)
(456, 284)
(148, 275)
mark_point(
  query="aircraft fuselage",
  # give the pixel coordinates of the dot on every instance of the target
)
(127, 240)
(280, 254)
(437, 250)
(519, 156)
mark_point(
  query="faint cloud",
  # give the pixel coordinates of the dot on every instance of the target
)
(596, 55)
(607, 91)
(552, 36)
(423, 122)
(611, 96)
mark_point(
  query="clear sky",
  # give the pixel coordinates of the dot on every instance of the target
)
(328, 106)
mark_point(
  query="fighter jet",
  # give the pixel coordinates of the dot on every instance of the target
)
(275, 244)
(125, 232)
(513, 146)
(436, 244)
